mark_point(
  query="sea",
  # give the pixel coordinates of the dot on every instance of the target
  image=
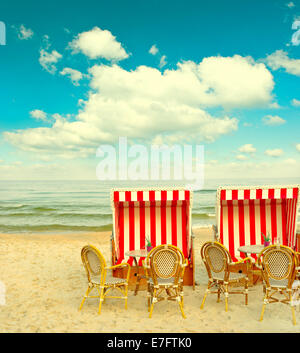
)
(62, 206)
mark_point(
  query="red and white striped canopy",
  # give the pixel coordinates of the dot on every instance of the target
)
(245, 213)
(162, 215)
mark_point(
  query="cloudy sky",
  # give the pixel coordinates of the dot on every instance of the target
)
(223, 74)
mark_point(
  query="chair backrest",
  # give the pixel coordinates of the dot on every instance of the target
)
(215, 257)
(162, 215)
(93, 262)
(165, 262)
(245, 213)
(278, 264)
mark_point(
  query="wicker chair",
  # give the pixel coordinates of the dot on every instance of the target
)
(98, 278)
(220, 270)
(278, 265)
(164, 267)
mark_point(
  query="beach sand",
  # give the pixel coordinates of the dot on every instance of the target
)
(45, 282)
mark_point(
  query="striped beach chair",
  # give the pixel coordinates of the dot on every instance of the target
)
(162, 215)
(245, 213)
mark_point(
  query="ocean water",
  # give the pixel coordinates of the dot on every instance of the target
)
(68, 206)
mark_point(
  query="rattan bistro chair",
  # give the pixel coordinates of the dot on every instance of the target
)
(220, 267)
(99, 279)
(164, 267)
(278, 265)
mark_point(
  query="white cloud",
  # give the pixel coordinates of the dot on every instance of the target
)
(274, 153)
(38, 115)
(49, 59)
(290, 4)
(290, 161)
(153, 50)
(241, 157)
(247, 148)
(298, 147)
(24, 33)
(98, 43)
(163, 61)
(296, 102)
(280, 59)
(74, 75)
(273, 120)
(296, 36)
(146, 103)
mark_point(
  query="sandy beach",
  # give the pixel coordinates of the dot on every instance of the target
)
(45, 282)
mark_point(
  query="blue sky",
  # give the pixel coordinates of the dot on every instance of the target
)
(225, 74)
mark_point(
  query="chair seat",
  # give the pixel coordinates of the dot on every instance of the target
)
(232, 276)
(163, 281)
(110, 280)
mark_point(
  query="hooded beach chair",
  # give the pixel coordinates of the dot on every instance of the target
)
(244, 214)
(162, 215)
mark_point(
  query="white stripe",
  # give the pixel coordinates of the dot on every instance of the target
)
(241, 194)
(157, 195)
(181, 195)
(247, 221)
(169, 225)
(268, 218)
(289, 193)
(147, 223)
(225, 227)
(257, 222)
(265, 194)
(228, 194)
(279, 220)
(252, 194)
(121, 196)
(133, 195)
(145, 195)
(277, 193)
(170, 195)
(158, 225)
(179, 226)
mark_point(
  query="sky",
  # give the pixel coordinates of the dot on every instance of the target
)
(77, 75)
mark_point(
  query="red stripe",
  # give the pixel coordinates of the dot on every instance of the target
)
(175, 195)
(174, 225)
(271, 193)
(259, 194)
(273, 219)
(187, 195)
(127, 195)
(246, 194)
(153, 225)
(241, 225)
(252, 224)
(295, 193)
(164, 195)
(140, 195)
(283, 193)
(221, 224)
(142, 225)
(163, 223)
(152, 195)
(263, 225)
(231, 230)
(283, 212)
(116, 196)
(223, 195)
(120, 234)
(184, 228)
(131, 228)
(234, 194)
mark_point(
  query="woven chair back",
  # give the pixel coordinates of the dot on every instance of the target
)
(165, 262)
(216, 257)
(93, 261)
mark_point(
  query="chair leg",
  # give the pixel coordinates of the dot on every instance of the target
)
(84, 298)
(152, 302)
(246, 292)
(264, 305)
(126, 294)
(226, 297)
(101, 299)
(181, 308)
(219, 294)
(293, 309)
(205, 295)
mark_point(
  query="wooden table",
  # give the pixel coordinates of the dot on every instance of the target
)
(136, 254)
(252, 249)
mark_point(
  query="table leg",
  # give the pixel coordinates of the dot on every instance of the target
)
(138, 277)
